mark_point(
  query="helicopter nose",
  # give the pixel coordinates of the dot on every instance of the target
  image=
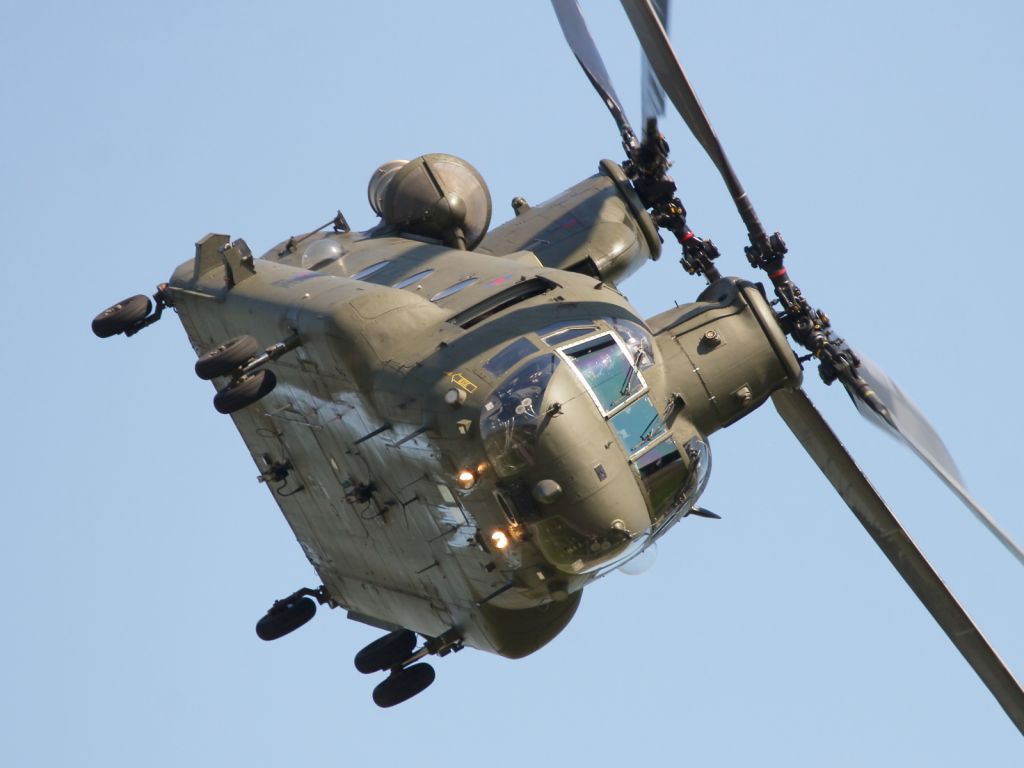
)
(589, 505)
(544, 433)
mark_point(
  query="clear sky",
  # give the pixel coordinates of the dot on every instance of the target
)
(883, 139)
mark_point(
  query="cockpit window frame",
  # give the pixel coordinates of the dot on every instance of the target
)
(556, 334)
(607, 413)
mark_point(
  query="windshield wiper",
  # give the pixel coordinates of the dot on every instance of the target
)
(631, 372)
(648, 432)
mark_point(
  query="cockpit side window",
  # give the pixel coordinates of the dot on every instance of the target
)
(511, 416)
(509, 356)
(638, 341)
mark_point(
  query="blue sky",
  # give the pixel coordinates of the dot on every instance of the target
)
(882, 139)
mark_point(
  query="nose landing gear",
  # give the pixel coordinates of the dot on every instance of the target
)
(395, 652)
(289, 614)
(130, 315)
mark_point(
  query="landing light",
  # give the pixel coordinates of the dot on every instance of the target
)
(499, 539)
(466, 479)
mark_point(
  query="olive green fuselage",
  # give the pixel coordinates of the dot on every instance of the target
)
(471, 438)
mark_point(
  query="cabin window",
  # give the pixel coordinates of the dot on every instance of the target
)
(413, 279)
(453, 289)
(370, 270)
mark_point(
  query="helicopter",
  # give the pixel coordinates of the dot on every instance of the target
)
(498, 510)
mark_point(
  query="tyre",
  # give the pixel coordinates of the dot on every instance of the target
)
(387, 652)
(245, 391)
(403, 685)
(226, 358)
(284, 618)
(122, 316)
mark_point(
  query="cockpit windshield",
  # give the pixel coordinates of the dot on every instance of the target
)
(637, 425)
(610, 375)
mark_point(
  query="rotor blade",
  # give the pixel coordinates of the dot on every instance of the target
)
(838, 466)
(907, 422)
(574, 27)
(652, 94)
(666, 66)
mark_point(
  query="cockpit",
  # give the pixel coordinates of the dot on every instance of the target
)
(581, 413)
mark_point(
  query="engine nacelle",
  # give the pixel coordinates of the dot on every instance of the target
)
(598, 227)
(724, 354)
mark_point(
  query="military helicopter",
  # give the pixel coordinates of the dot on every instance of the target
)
(465, 428)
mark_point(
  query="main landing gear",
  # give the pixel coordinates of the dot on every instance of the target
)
(394, 653)
(243, 360)
(407, 676)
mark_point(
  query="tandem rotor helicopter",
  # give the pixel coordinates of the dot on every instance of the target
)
(464, 426)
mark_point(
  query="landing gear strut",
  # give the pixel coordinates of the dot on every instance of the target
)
(243, 360)
(396, 652)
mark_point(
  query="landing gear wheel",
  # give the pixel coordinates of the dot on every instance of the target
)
(403, 685)
(245, 391)
(387, 652)
(121, 317)
(226, 358)
(285, 617)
